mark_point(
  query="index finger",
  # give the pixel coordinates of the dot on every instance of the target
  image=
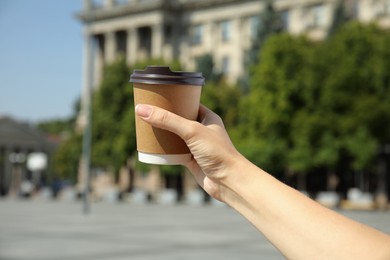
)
(166, 120)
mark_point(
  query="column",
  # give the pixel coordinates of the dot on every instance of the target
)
(157, 40)
(297, 20)
(132, 45)
(109, 47)
(208, 36)
(366, 10)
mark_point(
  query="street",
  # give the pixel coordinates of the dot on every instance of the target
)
(41, 229)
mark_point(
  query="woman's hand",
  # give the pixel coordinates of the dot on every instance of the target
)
(214, 155)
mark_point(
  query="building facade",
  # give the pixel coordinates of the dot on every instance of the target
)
(188, 29)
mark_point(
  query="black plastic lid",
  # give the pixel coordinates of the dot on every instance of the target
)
(163, 75)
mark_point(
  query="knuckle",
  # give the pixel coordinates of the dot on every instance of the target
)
(163, 117)
(194, 128)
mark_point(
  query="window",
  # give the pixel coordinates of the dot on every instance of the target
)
(225, 65)
(121, 41)
(145, 39)
(167, 33)
(196, 34)
(225, 31)
(254, 23)
(284, 17)
(316, 16)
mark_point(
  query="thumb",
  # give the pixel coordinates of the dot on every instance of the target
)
(164, 119)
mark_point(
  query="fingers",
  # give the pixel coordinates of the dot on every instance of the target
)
(171, 122)
(203, 113)
(164, 119)
(207, 116)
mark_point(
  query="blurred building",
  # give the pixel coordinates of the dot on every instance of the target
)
(188, 29)
(23, 150)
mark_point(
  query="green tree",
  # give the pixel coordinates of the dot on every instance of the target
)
(278, 88)
(65, 161)
(113, 130)
(217, 95)
(223, 99)
(67, 156)
(356, 93)
(313, 104)
(56, 126)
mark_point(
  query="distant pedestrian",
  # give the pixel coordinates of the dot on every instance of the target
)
(56, 187)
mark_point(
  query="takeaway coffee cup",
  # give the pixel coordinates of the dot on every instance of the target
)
(175, 91)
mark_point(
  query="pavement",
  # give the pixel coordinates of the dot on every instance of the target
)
(44, 229)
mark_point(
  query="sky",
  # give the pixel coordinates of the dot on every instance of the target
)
(40, 59)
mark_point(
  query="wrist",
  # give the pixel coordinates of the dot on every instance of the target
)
(239, 180)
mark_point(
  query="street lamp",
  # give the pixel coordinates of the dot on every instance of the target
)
(87, 109)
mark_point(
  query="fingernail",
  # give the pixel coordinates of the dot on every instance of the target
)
(143, 110)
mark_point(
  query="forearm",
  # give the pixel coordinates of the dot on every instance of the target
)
(299, 227)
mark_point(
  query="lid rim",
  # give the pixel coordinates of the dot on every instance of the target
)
(163, 75)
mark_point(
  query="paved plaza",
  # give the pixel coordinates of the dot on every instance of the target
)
(41, 230)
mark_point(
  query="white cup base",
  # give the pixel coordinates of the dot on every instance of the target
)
(164, 159)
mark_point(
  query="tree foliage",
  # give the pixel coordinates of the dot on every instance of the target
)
(67, 156)
(316, 105)
(356, 92)
(113, 131)
(276, 96)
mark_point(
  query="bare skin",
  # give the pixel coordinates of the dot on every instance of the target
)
(298, 226)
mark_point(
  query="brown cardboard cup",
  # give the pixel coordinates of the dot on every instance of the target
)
(178, 92)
